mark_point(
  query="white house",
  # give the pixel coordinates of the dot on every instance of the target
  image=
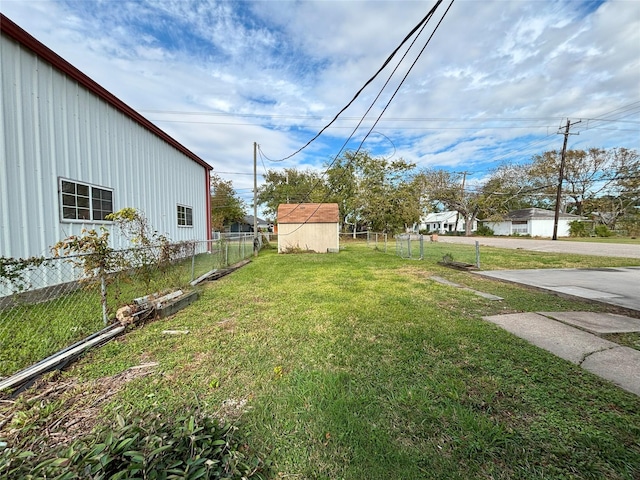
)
(71, 153)
(535, 222)
(309, 226)
(444, 222)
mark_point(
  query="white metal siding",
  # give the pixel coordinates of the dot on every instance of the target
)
(53, 127)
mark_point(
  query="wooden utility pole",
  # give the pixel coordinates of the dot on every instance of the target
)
(255, 198)
(560, 179)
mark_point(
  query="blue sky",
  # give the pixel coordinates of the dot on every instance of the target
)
(494, 85)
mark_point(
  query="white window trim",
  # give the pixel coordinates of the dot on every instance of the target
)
(186, 225)
(90, 186)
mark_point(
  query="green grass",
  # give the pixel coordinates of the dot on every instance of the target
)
(494, 258)
(613, 239)
(357, 365)
(32, 332)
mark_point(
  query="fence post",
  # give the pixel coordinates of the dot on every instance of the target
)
(385, 243)
(193, 262)
(103, 299)
(478, 254)
(421, 247)
(409, 246)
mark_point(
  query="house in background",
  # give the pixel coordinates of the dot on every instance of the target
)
(444, 222)
(247, 225)
(535, 222)
(309, 226)
(72, 153)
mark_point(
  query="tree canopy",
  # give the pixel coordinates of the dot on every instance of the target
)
(390, 195)
(226, 206)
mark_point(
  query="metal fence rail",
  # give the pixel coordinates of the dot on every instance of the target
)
(55, 303)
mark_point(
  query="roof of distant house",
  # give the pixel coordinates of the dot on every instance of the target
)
(308, 213)
(536, 213)
(10, 29)
(439, 216)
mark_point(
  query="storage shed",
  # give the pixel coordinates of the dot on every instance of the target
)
(535, 222)
(309, 226)
(71, 153)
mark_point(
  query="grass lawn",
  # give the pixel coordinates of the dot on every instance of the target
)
(357, 366)
(629, 240)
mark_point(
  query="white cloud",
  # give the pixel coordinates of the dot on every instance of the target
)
(473, 97)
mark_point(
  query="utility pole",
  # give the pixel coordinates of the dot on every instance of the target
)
(561, 178)
(464, 179)
(255, 199)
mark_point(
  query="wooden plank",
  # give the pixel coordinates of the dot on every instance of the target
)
(47, 364)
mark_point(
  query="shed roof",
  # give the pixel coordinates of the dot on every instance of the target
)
(11, 30)
(308, 213)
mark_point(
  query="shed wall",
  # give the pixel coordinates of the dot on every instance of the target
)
(53, 127)
(319, 237)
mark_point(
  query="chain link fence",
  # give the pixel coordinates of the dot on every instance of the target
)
(51, 303)
(428, 247)
(375, 240)
(410, 246)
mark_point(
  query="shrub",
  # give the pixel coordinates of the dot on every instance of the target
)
(146, 447)
(484, 231)
(603, 231)
(577, 229)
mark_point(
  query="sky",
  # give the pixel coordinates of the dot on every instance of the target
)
(485, 82)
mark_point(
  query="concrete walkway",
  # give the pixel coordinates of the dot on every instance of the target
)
(577, 336)
(574, 337)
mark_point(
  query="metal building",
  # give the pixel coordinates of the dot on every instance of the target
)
(71, 152)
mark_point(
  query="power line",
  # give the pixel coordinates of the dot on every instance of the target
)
(419, 26)
(429, 15)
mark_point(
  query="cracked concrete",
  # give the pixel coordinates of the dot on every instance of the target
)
(609, 360)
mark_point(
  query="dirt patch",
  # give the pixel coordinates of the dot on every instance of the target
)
(62, 410)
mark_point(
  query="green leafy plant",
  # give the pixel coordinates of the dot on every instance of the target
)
(152, 252)
(603, 231)
(149, 447)
(484, 231)
(91, 252)
(13, 271)
(578, 229)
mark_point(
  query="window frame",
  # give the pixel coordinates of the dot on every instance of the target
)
(187, 215)
(90, 200)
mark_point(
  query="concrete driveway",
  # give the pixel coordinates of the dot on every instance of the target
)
(576, 336)
(556, 246)
(619, 286)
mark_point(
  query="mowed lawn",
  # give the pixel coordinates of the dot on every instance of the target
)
(358, 366)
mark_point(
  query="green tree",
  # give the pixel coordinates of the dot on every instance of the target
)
(441, 187)
(226, 206)
(290, 186)
(375, 193)
(588, 175)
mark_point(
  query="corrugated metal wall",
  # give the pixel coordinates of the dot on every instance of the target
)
(51, 128)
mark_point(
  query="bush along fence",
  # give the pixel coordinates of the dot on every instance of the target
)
(47, 304)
